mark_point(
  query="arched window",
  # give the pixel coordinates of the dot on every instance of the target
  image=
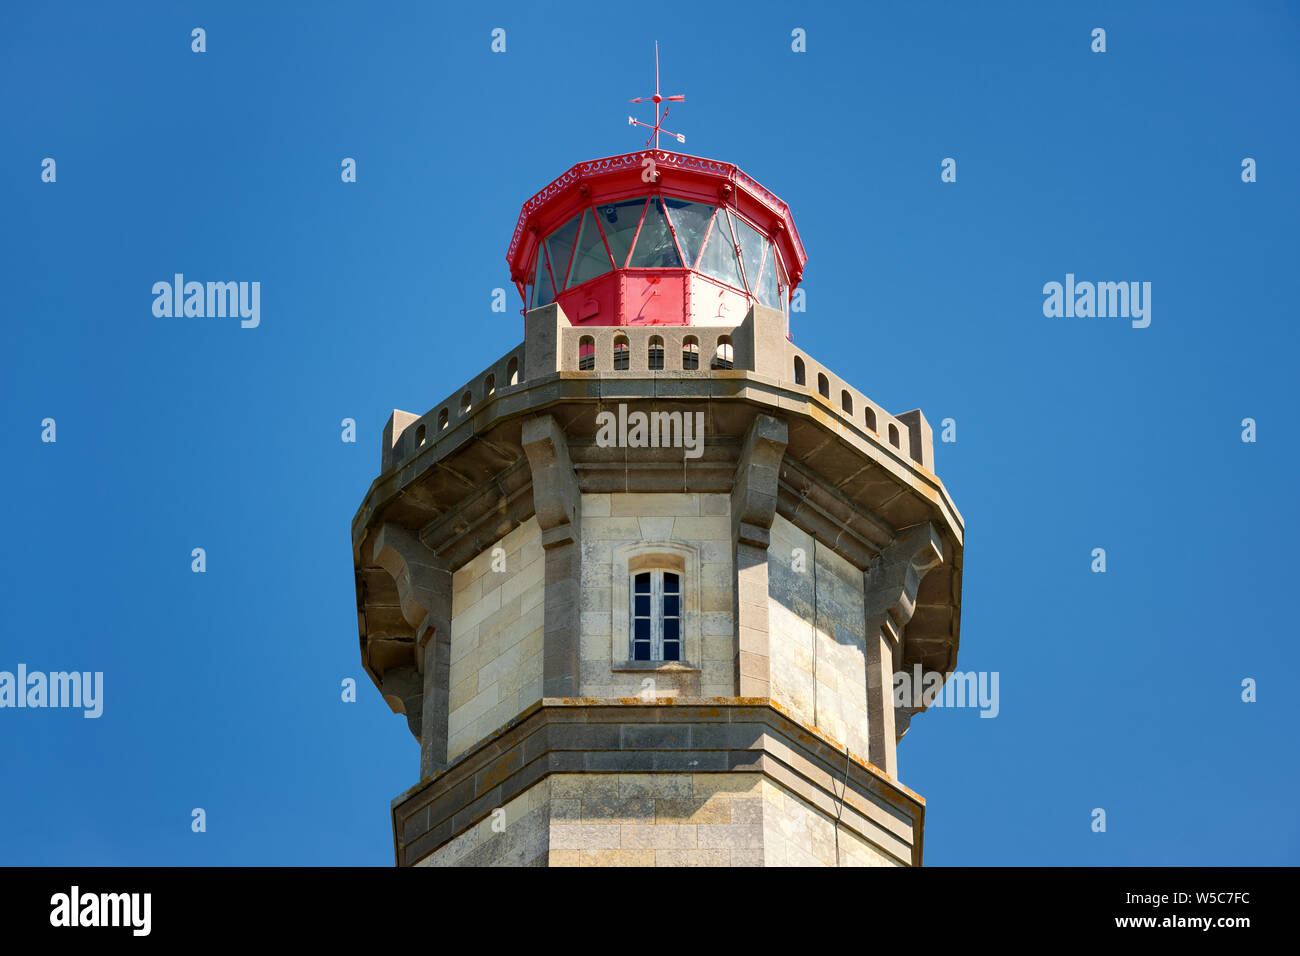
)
(799, 374)
(846, 401)
(655, 353)
(622, 353)
(489, 385)
(823, 386)
(442, 419)
(655, 604)
(466, 401)
(690, 353)
(725, 355)
(512, 372)
(586, 353)
(893, 435)
(419, 437)
(871, 418)
(656, 615)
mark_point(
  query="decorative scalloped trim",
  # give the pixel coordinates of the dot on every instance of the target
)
(661, 158)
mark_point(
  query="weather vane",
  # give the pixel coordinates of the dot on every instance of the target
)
(657, 99)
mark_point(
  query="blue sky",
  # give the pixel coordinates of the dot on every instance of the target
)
(1119, 690)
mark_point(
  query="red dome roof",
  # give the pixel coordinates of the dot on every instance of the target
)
(655, 238)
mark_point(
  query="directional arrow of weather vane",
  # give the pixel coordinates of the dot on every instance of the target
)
(657, 99)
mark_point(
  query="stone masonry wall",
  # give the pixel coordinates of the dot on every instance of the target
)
(496, 638)
(795, 833)
(520, 836)
(830, 691)
(613, 522)
(672, 819)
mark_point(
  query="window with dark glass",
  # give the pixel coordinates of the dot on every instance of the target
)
(559, 249)
(619, 221)
(656, 616)
(655, 248)
(655, 354)
(543, 292)
(590, 259)
(690, 353)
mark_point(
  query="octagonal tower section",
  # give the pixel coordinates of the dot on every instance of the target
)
(642, 584)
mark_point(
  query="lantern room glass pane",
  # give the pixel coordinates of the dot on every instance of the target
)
(719, 257)
(591, 259)
(655, 248)
(543, 294)
(691, 221)
(768, 294)
(783, 281)
(559, 248)
(619, 221)
(752, 244)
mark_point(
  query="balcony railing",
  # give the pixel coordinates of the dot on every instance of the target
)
(757, 346)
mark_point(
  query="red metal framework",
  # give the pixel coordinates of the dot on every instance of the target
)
(676, 292)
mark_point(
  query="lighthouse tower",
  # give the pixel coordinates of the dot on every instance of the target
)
(641, 584)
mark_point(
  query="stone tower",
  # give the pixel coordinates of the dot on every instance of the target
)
(641, 585)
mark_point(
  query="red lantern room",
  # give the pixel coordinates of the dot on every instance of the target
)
(655, 238)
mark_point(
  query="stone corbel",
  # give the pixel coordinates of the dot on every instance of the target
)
(414, 569)
(424, 593)
(403, 690)
(754, 494)
(557, 500)
(890, 587)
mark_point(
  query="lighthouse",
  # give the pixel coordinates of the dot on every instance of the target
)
(641, 584)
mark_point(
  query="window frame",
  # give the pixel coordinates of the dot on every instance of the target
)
(674, 557)
(658, 616)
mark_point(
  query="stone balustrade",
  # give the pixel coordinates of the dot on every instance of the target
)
(757, 345)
